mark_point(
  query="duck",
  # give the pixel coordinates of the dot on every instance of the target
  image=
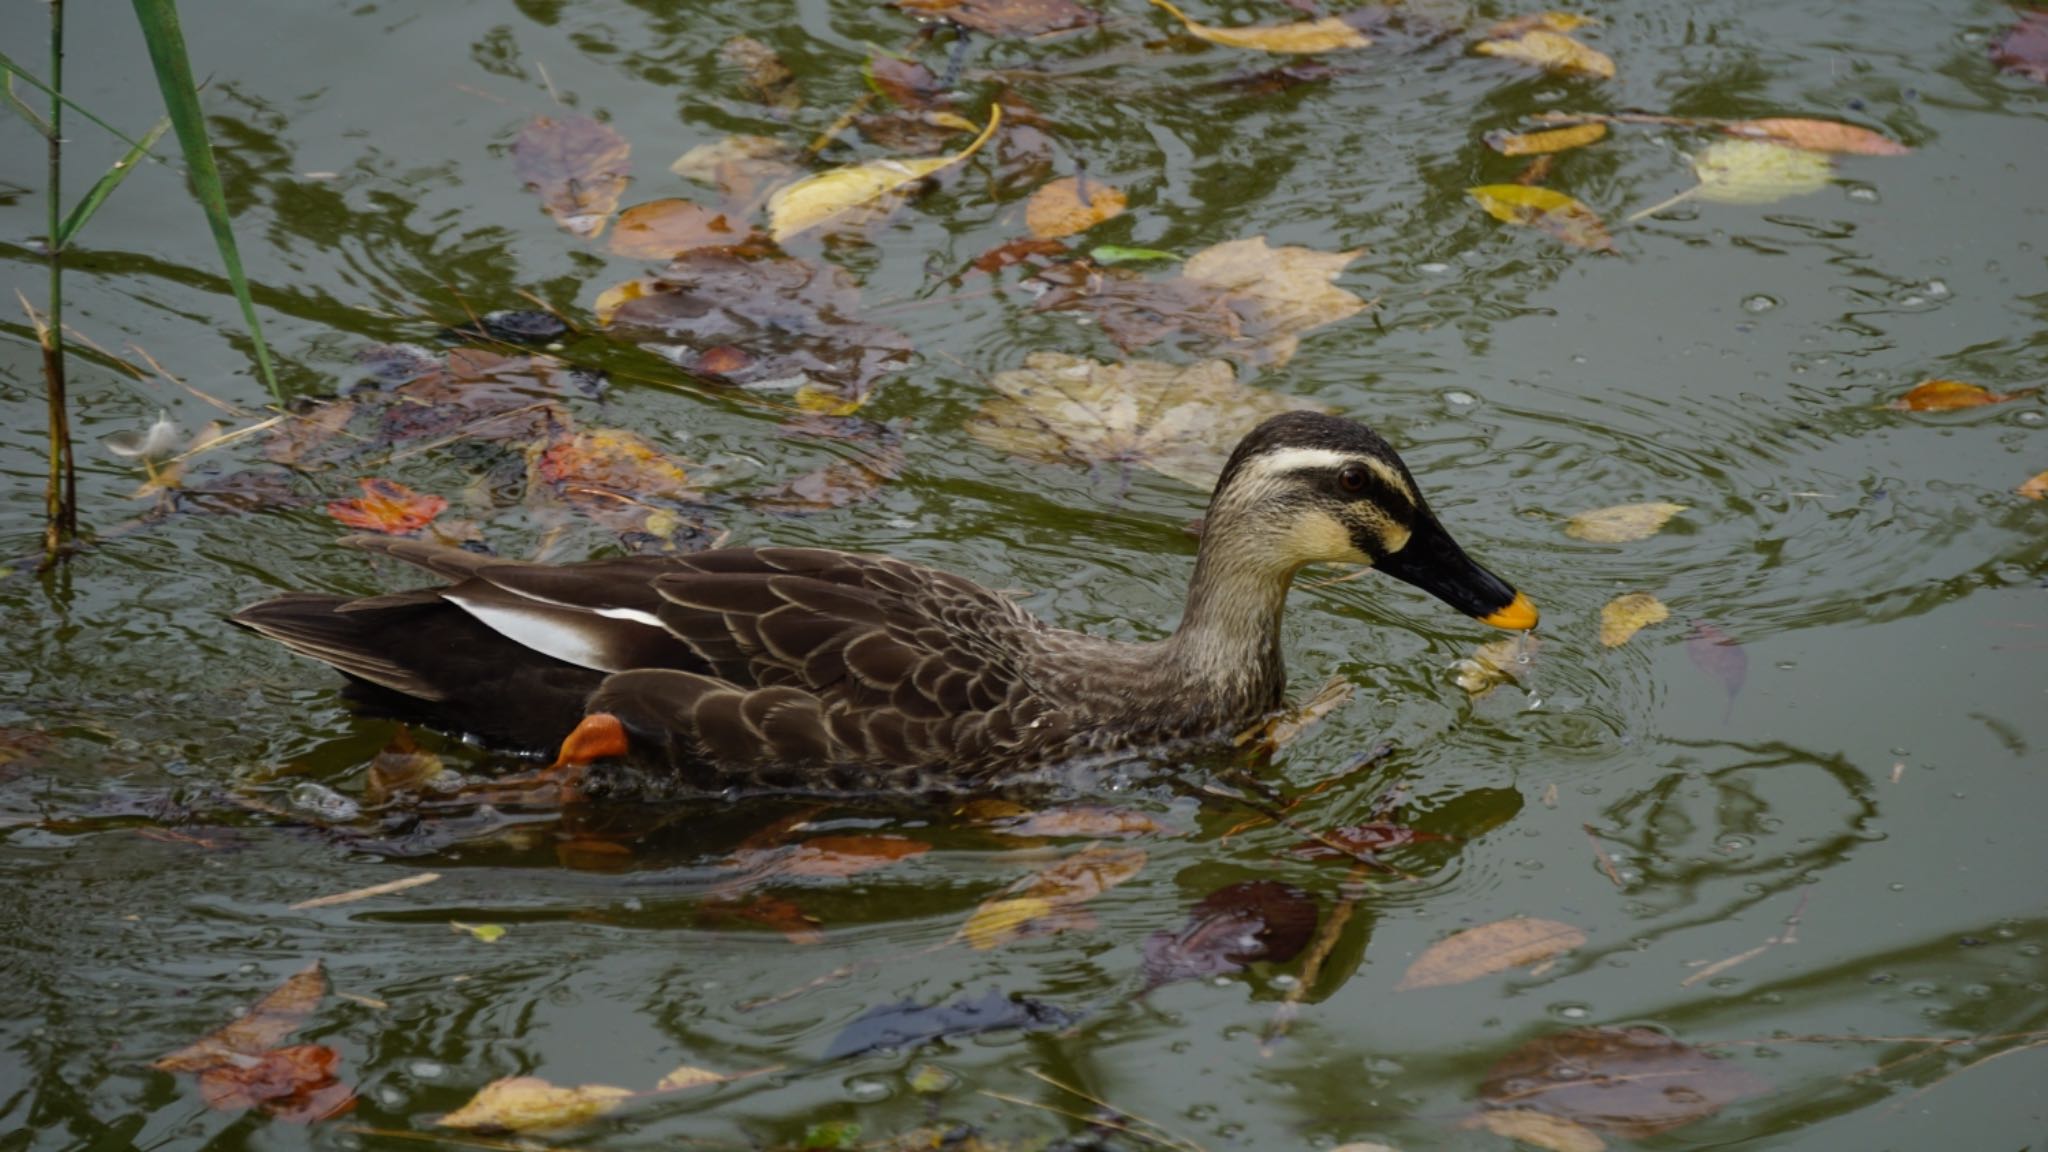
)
(813, 670)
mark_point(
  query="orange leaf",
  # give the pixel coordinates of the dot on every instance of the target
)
(659, 229)
(389, 507)
(848, 855)
(1058, 210)
(295, 1083)
(2035, 489)
(1949, 395)
(1818, 136)
(270, 1020)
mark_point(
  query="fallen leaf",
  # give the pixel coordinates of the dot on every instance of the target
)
(1719, 655)
(740, 167)
(663, 229)
(399, 768)
(2036, 488)
(1496, 662)
(828, 856)
(1622, 522)
(1624, 616)
(388, 507)
(529, 1103)
(297, 1084)
(269, 1020)
(1555, 21)
(617, 478)
(815, 199)
(1553, 140)
(488, 933)
(1177, 420)
(355, 894)
(1330, 34)
(1023, 250)
(1751, 172)
(1949, 395)
(906, 82)
(1119, 254)
(2023, 48)
(837, 484)
(688, 1076)
(1005, 17)
(578, 166)
(771, 81)
(1278, 293)
(769, 911)
(1818, 136)
(1551, 50)
(1489, 948)
(1057, 209)
(1553, 212)
(1069, 881)
(908, 1024)
(1000, 921)
(1230, 928)
(1361, 841)
(1633, 1082)
(1080, 822)
(1550, 1132)
(1287, 727)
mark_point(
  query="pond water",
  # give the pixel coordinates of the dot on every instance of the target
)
(1800, 812)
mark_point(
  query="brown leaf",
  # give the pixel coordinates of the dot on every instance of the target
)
(617, 478)
(1718, 655)
(269, 1020)
(771, 911)
(830, 856)
(1177, 420)
(740, 167)
(1545, 209)
(577, 165)
(400, 767)
(1330, 34)
(1279, 731)
(1067, 882)
(529, 1103)
(1361, 841)
(664, 229)
(1026, 249)
(1081, 822)
(1622, 522)
(906, 82)
(1487, 949)
(1551, 50)
(2023, 48)
(1232, 927)
(770, 80)
(387, 506)
(1633, 1082)
(1818, 136)
(304, 438)
(1005, 17)
(1624, 616)
(1279, 293)
(1553, 140)
(296, 1084)
(1950, 395)
(1057, 210)
(2036, 488)
(1497, 662)
(1551, 1132)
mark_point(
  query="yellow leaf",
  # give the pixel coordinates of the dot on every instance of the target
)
(1818, 136)
(999, 921)
(1552, 50)
(659, 229)
(1496, 662)
(488, 933)
(618, 296)
(813, 200)
(1554, 140)
(827, 401)
(1624, 616)
(2035, 489)
(528, 1103)
(1056, 209)
(1541, 1129)
(688, 1076)
(1949, 395)
(1553, 212)
(1327, 35)
(1758, 172)
(1621, 522)
(1487, 949)
(1555, 21)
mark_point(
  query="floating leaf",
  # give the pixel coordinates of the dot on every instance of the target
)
(2036, 488)
(1230, 928)
(488, 933)
(529, 1104)
(1553, 212)
(1277, 293)
(1360, 841)
(1023, 250)
(617, 478)
(1496, 662)
(1624, 616)
(1719, 655)
(664, 229)
(1818, 136)
(1005, 17)
(688, 1076)
(1489, 948)
(1057, 210)
(1949, 395)
(907, 1024)
(1633, 1082)
(1555, 21)
(389, 507)
(1118, 254)
(1000, 921)
(1080, 822)
(1178, 420)
(1553, 140)
(770, 911)
(577, 165)
(1552, 50)
(1070, 881)
(1621, 522)
(269, 1020)
(771, 81)
(1330, 34)
(240, 1067)
(2023, 48)
(1551, 1132)
(829, 856)
(1287, 727)
(738, 166)
(814, 200)
(1751, 172)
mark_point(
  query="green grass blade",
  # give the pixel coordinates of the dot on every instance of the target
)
(20, 109)
(106, 184)
(14, 69)
(166, 40)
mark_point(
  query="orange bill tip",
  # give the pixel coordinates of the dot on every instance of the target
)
(1518, 616)
(599, 737)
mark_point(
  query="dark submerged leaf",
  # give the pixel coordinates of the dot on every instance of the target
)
(1232, 927)
(1635, 1082)
(907, 1024)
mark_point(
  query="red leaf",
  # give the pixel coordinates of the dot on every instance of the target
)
(389, 507)
(295, 1083)
(2023, 48)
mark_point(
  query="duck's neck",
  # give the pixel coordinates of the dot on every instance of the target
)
(1227, 648)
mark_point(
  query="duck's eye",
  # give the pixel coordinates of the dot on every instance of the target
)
(1351, 478)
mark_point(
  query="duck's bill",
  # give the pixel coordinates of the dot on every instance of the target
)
(1433, 562)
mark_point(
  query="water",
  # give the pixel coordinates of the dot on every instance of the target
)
(1876, 773)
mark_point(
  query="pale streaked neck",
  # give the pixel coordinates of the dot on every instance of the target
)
(1228, 641)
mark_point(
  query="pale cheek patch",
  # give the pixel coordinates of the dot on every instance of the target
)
(1318, 538)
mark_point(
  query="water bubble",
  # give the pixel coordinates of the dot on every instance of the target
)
(1912, 301)
(1433, 268)
(324, 802)
(631, 904)
(1284, 980)
(1863, 194)
(390, 1097)
(867, 1090)
(1759, 303)
(1458, 399)
(1937, 289)
(1571, 1011)
(2031, 419)
(1896, 886)
(427, 1069)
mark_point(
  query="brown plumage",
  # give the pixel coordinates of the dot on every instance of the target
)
(807, 669)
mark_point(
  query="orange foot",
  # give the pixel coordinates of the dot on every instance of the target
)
(599, 737)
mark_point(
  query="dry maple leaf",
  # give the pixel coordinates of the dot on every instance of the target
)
(389, 507)
(1950, 395)
(1178, 420)
(578, 166)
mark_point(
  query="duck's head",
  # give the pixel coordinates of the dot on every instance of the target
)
(1305, 488)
